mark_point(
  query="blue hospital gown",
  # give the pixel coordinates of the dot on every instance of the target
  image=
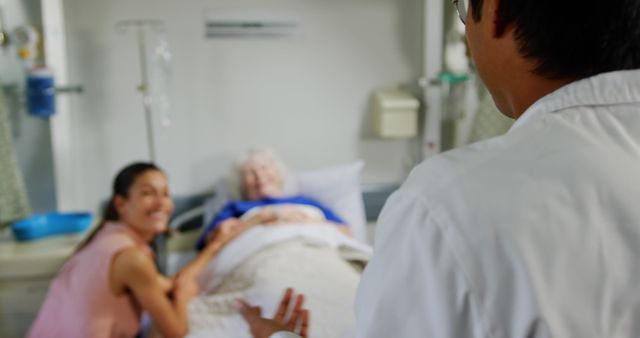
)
(238, 208)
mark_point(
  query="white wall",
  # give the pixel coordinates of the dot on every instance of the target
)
(31, 136)
(306, 95)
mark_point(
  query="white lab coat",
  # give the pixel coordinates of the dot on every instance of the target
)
(532, 234)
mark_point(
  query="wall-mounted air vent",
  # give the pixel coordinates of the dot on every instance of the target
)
(250, 23)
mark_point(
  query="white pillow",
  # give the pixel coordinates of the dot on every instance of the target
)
(336, 187)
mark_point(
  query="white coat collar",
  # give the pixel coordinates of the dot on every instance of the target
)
(612, 88)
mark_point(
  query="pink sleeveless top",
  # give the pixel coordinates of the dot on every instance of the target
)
(80, 302)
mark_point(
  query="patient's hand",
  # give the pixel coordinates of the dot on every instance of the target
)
(293, 214)
(297, 321)
(263, 216)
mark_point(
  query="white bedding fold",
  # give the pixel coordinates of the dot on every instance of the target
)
(260, 237)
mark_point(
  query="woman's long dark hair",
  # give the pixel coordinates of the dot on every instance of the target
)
(121, 185)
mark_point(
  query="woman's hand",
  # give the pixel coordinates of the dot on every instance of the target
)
(297, 321)
(226, 231)
(185, 287)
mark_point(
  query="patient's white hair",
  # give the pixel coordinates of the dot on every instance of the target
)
(289, 186)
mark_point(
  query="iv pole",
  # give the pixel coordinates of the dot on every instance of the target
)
(143, 88)
(432, 67)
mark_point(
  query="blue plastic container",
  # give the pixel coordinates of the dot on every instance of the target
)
(41, 92)
(49, 224)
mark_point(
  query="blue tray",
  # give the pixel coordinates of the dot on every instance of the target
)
(49, 224)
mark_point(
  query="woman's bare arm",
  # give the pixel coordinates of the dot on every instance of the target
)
(135, 271)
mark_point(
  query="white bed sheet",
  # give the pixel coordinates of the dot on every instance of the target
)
(262, 262)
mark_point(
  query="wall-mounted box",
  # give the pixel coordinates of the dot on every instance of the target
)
(227, 23)
(395, 113)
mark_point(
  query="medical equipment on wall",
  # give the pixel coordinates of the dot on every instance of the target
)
(4, 35)
(40, 92)
(395, 113)
(449, 84)
(26, 38)
(40, 87)
(228, 23)
(460, 87)
(456, 71)
(155, 67)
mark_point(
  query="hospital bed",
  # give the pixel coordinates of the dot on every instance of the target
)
(317, 260)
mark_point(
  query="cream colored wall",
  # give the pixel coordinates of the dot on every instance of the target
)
(306, 95)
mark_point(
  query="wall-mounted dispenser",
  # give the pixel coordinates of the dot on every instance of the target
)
(41, 92)
(250, 23)
(395, 113)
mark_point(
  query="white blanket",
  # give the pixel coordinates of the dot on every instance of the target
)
(262, 262)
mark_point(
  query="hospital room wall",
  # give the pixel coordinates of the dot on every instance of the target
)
(31, 136)
(306, 95)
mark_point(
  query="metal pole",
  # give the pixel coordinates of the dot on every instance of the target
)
(432, 66)
(144, 89)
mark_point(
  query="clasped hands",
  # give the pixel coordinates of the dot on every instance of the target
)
(232, 227)
(281, 214)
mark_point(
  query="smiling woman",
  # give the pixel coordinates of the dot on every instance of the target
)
(111, 279)
(148, 206)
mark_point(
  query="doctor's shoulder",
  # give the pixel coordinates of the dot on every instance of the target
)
(438, 174)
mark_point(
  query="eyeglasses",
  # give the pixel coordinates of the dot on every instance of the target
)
(462, 6)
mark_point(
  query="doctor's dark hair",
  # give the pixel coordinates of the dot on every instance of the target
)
(121, 185)
(572, 39)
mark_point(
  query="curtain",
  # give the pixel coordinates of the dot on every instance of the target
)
(489, 121)
(14, 203)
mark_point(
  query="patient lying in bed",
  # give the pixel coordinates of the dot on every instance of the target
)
(263, 181)
(290, 241)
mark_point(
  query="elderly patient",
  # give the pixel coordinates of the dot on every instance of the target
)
(263, 188)
(287, 241)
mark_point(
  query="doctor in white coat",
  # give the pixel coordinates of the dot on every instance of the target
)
(535, 233)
